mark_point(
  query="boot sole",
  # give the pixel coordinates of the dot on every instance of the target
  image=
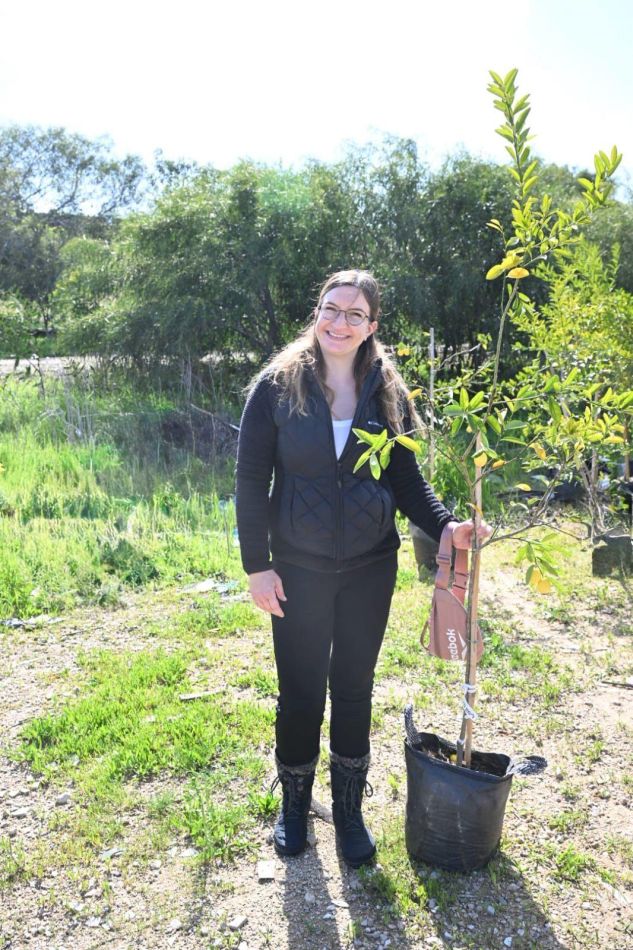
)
(359, 862)
(287, 852)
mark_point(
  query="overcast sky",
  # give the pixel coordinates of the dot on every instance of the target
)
(285, 80)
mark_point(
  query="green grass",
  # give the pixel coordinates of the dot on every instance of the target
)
(129, 725)
(569, 863)
(89, 506)
(210, 617)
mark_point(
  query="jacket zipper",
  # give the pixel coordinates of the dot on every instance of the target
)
(367, 388)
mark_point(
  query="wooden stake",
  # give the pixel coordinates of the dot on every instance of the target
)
(432, 402)
(465, 741)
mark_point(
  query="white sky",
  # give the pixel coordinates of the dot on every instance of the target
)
(284, 80)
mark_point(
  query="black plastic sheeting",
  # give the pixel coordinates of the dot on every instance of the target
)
(455, 815)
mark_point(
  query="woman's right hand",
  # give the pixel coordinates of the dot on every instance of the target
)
(267, 590)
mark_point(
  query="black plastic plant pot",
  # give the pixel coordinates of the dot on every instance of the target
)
(454, 814)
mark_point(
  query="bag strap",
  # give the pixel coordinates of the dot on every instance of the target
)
(460, 569)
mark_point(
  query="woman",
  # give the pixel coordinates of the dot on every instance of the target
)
(320, 551)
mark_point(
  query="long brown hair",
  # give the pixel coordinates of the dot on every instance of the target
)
(289, 367)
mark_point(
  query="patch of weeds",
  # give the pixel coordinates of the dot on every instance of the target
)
(398, 881)
(592, 753)
(263, 804)
(566, 821)
(622, 847)
(161, 805)
(12, 862)
(393, 781)
(218, 830)
(407, 578)
(397, 656)
(569, 863)
(559, 612)
(210, 617)
(570, 792)
(264, 682)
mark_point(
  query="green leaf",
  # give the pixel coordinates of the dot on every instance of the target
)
(476, 401)
(374, 465)
(554, 409)
(367, 437)
(523, 486)
(463, 398)
(494, 424)
(385, 455)
(408, 443)
(456, 425)
(496, 271)
(380, 441)
(363, 458)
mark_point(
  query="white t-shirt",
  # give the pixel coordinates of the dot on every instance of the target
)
(341, 429)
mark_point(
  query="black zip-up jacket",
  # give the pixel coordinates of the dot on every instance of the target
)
(320, 514)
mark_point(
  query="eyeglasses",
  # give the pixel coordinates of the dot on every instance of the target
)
(353, 318)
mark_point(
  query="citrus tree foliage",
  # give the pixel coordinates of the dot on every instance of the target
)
(549, 418)
(556, 412)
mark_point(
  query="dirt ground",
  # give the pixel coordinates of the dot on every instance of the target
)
(314, 901)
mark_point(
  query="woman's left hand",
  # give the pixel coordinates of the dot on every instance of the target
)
(463, 533)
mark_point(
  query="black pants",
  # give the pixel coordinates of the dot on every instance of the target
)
(333, 628)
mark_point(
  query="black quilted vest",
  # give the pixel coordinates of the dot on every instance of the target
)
(322, 515)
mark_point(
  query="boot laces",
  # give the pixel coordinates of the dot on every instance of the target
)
(353, 792)
(292, 786)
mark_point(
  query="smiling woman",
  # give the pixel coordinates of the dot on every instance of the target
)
(320, 550)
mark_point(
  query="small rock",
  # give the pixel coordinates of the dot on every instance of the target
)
(12, 833)
(93, 922)
(174, 925)
(432, 904)
(309, 897)
(188, 852)
(340, 903)
(311, 839)
(242, 945)
(20, 813)
(507, 942)
(238, 922)
(76, 907)
(155, 865)
(63, 799)
(265, 870)
(94, 892)
(490, 909)
(521, 932)
(434, 875)
(110, 853)
(328, 915)
(586, 905)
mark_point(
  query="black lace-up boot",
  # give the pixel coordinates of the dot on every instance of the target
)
(349, 782)
(291, 831)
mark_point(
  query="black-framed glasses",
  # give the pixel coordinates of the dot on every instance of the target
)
(353, 318)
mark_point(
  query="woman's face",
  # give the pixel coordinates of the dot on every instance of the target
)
(336, 336)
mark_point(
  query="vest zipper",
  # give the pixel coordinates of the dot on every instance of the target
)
(338, 489)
